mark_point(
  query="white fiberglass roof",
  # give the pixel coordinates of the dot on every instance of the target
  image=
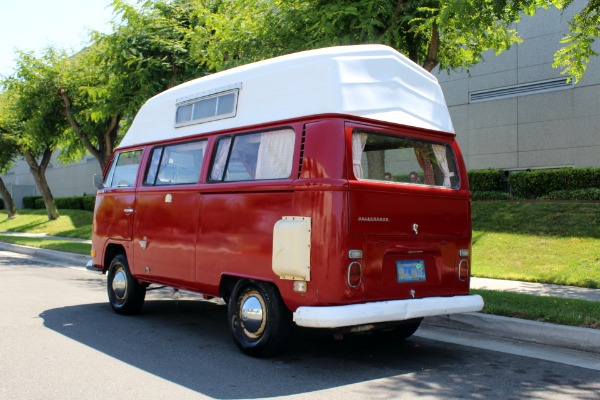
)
(371, 81)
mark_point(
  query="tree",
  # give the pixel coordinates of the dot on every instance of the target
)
(37, 111)
(103, 86)
(8, 152)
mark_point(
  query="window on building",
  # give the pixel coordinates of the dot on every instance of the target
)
(123, 170)
(380, 157)
(177, 164)
(257, 156)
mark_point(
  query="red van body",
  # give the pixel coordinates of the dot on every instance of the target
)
(327, 243)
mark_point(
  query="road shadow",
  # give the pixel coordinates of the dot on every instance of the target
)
(187, 342)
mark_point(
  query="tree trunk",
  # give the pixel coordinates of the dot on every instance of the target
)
(39, 175)
(432, 51)
(9, 204)
(106, 142)
(376, 164)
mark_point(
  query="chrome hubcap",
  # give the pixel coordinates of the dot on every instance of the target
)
(119, 284)
(252, 314)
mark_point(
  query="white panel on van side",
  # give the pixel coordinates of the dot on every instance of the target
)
(291, 248)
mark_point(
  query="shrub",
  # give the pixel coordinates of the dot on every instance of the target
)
(88, 202)
(486, 180)
(69, 203)
(1, 204)
(491, 196)
(534, 184)
(582, 194)
(29, 201)
(39, 204)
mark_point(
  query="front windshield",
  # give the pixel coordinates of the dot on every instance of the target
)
(382, 157)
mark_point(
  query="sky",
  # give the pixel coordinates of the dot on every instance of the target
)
(32, 25)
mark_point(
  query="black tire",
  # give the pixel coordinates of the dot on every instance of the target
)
(259, 321)
(399, 332)
(125, 294)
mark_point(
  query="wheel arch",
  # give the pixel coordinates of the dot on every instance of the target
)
(112, 250)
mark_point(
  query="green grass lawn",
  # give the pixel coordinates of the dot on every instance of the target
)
(537, 242)
(72, 223)
(51, 244)
(539, 308)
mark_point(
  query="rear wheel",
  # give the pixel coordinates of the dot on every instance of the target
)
(399, 332)
(259, 321)
(125, 294)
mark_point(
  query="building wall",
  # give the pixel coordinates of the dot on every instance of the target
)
(552, 129)
(64, 180)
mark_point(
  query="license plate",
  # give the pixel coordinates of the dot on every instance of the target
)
(410, 271)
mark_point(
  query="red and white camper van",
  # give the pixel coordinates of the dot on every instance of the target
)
(323, 188)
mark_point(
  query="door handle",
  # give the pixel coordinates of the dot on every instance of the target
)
(128, 210)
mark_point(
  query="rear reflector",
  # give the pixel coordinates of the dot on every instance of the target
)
(354, 274)
(463, 270)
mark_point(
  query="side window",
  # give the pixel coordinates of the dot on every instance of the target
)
(123, 170)
(380, 157)
(256, 156)
(175, 164)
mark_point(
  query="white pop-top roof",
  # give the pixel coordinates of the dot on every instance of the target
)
(371, 81)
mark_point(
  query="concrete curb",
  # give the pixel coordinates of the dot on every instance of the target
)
(567, 337)
(76, 260)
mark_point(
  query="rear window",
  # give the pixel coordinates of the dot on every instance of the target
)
(382, 157)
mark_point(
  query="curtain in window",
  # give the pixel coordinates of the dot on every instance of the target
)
(424, 160)
(440, 154)
(359, 140)
(275, 154)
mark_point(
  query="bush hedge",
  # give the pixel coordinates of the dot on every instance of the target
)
(65, 203)
(486, 180)
(535, 184)
(29, 201)
(1, 204)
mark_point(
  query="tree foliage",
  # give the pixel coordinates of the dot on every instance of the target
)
(579, 43)
(105, 84)
(450, 34)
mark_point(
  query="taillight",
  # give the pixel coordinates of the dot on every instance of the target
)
(463, 270)
(354, 274)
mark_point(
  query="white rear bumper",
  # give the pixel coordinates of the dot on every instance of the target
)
(385, 311)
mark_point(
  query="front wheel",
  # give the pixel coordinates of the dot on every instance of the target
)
(125, 294)
(259, 321)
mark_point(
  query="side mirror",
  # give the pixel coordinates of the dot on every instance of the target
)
(98, 182)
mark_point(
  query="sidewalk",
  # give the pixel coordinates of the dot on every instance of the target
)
(44, 236)
(567, 337)
(539, 289)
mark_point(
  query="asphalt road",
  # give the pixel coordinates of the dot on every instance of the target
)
(59, 339)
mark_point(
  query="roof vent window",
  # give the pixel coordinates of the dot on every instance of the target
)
(205, 109)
